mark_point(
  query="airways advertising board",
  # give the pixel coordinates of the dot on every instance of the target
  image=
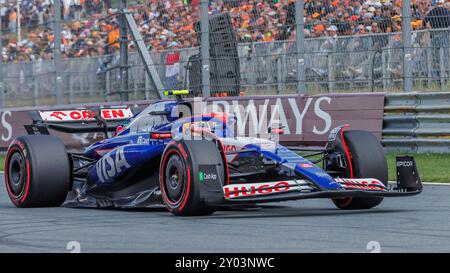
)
(306, 119)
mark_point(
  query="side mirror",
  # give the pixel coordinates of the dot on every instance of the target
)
(182, 110)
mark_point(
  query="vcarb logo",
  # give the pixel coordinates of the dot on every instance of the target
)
(406, 163)
(108, 167)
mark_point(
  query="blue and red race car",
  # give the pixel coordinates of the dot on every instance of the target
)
(193, 164)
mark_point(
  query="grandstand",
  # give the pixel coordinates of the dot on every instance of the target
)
(87, 31)
(351, 44)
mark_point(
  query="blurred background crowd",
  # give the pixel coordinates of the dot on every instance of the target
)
(90, 29)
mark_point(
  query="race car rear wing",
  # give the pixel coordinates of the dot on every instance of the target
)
(78, 120)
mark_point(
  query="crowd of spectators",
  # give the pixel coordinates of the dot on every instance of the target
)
(89, 29)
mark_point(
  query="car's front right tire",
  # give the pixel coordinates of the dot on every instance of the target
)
(368, 161)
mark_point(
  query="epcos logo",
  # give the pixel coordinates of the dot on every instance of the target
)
(406, 163)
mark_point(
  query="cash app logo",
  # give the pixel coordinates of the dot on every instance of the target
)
(201, 176)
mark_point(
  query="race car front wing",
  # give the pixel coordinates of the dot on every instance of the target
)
(408, 184)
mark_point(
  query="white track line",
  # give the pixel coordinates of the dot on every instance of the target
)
(429, 183)
(425, 183)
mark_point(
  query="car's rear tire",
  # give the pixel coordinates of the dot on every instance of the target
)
(179, 184)
(368, 161)
(37, 171)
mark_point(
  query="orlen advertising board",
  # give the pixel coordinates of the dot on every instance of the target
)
(306, 119)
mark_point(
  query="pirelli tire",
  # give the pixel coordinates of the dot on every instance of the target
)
(179, 182)
(368, 161)
(37, 171)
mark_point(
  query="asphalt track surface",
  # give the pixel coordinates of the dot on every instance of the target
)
(413, 224)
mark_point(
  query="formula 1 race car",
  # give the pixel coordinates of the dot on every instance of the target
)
(192, 164)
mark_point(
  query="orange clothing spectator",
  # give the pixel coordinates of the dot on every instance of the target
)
(113, 37)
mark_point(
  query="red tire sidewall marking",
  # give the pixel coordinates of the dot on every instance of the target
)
(348, 200)
(162, 174)
(188, 188)
(23, 195)
(172, 205)
(225, 162)
(347, 152)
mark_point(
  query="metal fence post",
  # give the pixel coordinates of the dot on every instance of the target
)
(147, 86)
(372, 56)
(205, 56)
(108, 85)
(300, 43)
(279, 76)
(284, 67)
(442, 74)
(57, 54)
(70, 82)
(331, 75)
(384, 70)
(123, 52)
(2, 90)
(35, 86)
(407, 54)
(447, 48)
(429, 54)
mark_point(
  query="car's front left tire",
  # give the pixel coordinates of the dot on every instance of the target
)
(180, 184)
